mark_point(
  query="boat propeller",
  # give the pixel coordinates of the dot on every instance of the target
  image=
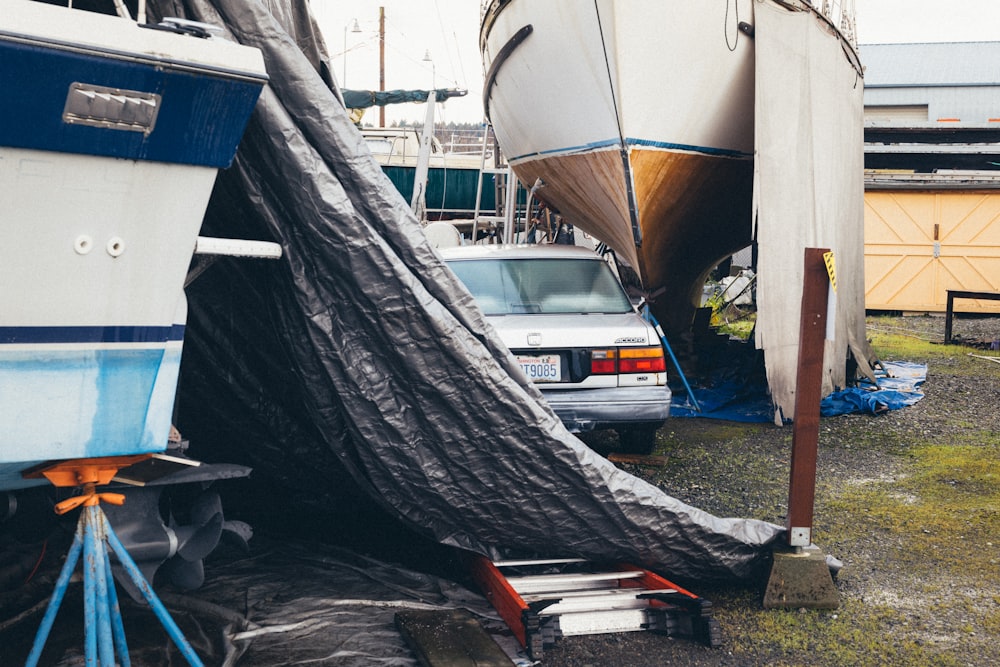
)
(173, 549)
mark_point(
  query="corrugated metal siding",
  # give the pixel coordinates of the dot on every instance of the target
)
(946, 63)
(956, 81)
(897, 113)
(918, 245)
(967, 105)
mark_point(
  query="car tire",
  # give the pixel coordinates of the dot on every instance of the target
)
(638, 440)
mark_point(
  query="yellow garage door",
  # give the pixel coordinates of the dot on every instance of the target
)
(918, 245)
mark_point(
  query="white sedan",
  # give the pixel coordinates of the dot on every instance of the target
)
(566, 318)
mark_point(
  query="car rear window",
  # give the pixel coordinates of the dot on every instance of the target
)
(542, 286)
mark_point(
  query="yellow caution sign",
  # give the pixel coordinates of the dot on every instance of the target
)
(831, 269)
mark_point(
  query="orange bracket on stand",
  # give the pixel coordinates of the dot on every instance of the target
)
(88, 473)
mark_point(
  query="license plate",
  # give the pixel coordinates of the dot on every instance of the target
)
(545, 368)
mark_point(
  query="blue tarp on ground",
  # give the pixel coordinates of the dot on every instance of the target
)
(898, 386)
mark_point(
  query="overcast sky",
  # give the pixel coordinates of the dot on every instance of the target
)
(448, 31)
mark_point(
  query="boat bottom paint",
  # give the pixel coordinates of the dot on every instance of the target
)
(694, 210)
(79, 403)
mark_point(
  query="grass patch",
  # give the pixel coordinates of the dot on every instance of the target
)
(946, 509)
(740, 327)
(937, 526)
(855, 635)
(894, 345)
(945, 512)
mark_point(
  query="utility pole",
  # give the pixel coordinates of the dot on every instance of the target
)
(381, 62)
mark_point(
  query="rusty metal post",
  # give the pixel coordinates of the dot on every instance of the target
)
(808, 389)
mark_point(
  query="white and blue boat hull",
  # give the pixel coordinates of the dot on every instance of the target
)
(111, 135)
(82, 400)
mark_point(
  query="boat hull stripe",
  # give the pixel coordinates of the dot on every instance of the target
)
(708, 150)
(645, 143)
(62, 335)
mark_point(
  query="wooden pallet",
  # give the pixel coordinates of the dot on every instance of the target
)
(449, 638)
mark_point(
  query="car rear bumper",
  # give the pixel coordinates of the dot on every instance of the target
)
(612, 407)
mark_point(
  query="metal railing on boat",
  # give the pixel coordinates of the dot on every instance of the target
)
(507, 202)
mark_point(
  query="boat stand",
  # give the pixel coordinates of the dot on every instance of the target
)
(104, 633)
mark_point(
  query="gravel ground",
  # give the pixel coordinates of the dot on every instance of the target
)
(918, 586)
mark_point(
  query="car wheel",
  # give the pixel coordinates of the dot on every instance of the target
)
(639, 440)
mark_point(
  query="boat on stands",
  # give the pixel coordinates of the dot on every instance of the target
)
(444, 178)
(452, 177)
(635, 120)
(111, 135)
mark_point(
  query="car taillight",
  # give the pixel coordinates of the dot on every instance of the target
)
(602, 362)
(641, 360)
(627, 360)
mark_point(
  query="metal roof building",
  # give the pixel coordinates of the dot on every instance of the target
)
(949, 82)
(932, 106)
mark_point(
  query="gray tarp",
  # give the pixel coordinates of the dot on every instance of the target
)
(359, 361)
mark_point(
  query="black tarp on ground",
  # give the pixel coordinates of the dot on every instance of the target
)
(357, 369)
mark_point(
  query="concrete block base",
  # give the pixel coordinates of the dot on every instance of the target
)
(800, 578)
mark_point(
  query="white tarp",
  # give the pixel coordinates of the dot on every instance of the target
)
(808, 189)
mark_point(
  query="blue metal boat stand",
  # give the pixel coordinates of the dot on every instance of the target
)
(648, 314)
(104, 634)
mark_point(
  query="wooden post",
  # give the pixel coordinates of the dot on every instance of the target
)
(800, 575)
(808, 388)
(949, 311)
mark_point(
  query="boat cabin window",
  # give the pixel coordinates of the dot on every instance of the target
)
(379, 146)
